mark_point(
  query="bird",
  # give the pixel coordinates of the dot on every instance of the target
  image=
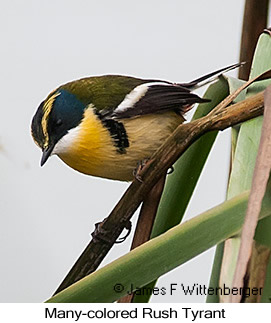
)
(106, 125)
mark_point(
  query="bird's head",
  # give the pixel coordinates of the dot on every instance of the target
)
(60, 112)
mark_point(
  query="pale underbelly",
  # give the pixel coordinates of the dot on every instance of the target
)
(145, 134)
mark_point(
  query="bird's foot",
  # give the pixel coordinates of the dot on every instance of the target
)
(138, 169)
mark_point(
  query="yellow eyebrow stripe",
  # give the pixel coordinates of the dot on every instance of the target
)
(47, 108)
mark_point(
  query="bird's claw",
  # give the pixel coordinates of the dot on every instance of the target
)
(138, 169)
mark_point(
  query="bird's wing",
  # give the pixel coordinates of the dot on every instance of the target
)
(159, 96)
(156, 97)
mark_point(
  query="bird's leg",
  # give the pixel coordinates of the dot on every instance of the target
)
(138, 169)
(100, 234)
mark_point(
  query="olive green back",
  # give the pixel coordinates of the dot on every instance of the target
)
(104, 92)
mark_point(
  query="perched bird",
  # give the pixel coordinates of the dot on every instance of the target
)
(103, 126)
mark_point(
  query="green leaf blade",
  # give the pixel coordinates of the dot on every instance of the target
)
(162, 254)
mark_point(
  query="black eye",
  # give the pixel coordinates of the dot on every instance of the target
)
(59, 122)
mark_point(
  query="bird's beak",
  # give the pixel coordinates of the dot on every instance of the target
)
(46, 153)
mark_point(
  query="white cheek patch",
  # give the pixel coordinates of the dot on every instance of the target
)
(64, 144)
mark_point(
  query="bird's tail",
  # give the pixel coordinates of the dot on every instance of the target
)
(208, 78)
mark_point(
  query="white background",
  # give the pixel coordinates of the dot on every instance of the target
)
(32, 313)
(48, 213)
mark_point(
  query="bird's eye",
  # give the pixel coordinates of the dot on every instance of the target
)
(59, 122)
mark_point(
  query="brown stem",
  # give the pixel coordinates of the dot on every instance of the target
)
(147, 214)
(145, 222)
(254, 22)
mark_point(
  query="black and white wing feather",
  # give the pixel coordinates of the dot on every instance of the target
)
(160, 96)
(156, 97)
